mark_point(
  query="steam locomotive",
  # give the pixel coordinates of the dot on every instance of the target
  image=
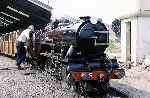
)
(77, 56)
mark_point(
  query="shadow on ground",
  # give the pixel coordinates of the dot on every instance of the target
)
(131, 91)
(5, 69)
(29, 73)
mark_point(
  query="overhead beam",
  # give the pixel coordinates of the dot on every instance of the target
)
(17, 11)
(2, 18)
(7, 17)
(4, 23)
(32, 14)
(40, 4)
(22, 13)
(16, 14)
(30, 8)
(4, 3)
(12, 27)
(34, 17)
(10, 16)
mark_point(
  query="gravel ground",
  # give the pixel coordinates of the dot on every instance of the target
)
(16, 83)
(27, 83)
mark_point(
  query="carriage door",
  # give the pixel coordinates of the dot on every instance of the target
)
(128, 41)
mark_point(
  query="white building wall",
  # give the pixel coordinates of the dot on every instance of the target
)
(126, 7)
(144, 4)
(139, 16)
(140, 38)
(123, 41)
(124, 38)
(134, 32)
(143, 46)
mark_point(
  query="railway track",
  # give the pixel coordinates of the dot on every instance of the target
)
(113, 93)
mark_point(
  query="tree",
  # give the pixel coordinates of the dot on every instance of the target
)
(116, 27)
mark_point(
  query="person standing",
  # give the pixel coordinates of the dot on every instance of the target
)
(21, 41)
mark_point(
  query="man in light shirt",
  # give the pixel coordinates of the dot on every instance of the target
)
(21, 40)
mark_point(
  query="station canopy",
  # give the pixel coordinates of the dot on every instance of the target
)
(18, 14)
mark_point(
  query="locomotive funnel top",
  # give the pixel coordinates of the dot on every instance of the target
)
(85, 18)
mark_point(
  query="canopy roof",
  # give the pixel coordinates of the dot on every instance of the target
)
(18, 14)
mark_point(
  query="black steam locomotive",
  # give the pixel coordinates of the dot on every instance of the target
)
(78, 56)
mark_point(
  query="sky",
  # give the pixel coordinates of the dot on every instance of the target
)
(105, 9)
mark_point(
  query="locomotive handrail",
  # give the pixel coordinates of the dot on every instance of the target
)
(93, 37)
(101, 31)
(101, 43)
